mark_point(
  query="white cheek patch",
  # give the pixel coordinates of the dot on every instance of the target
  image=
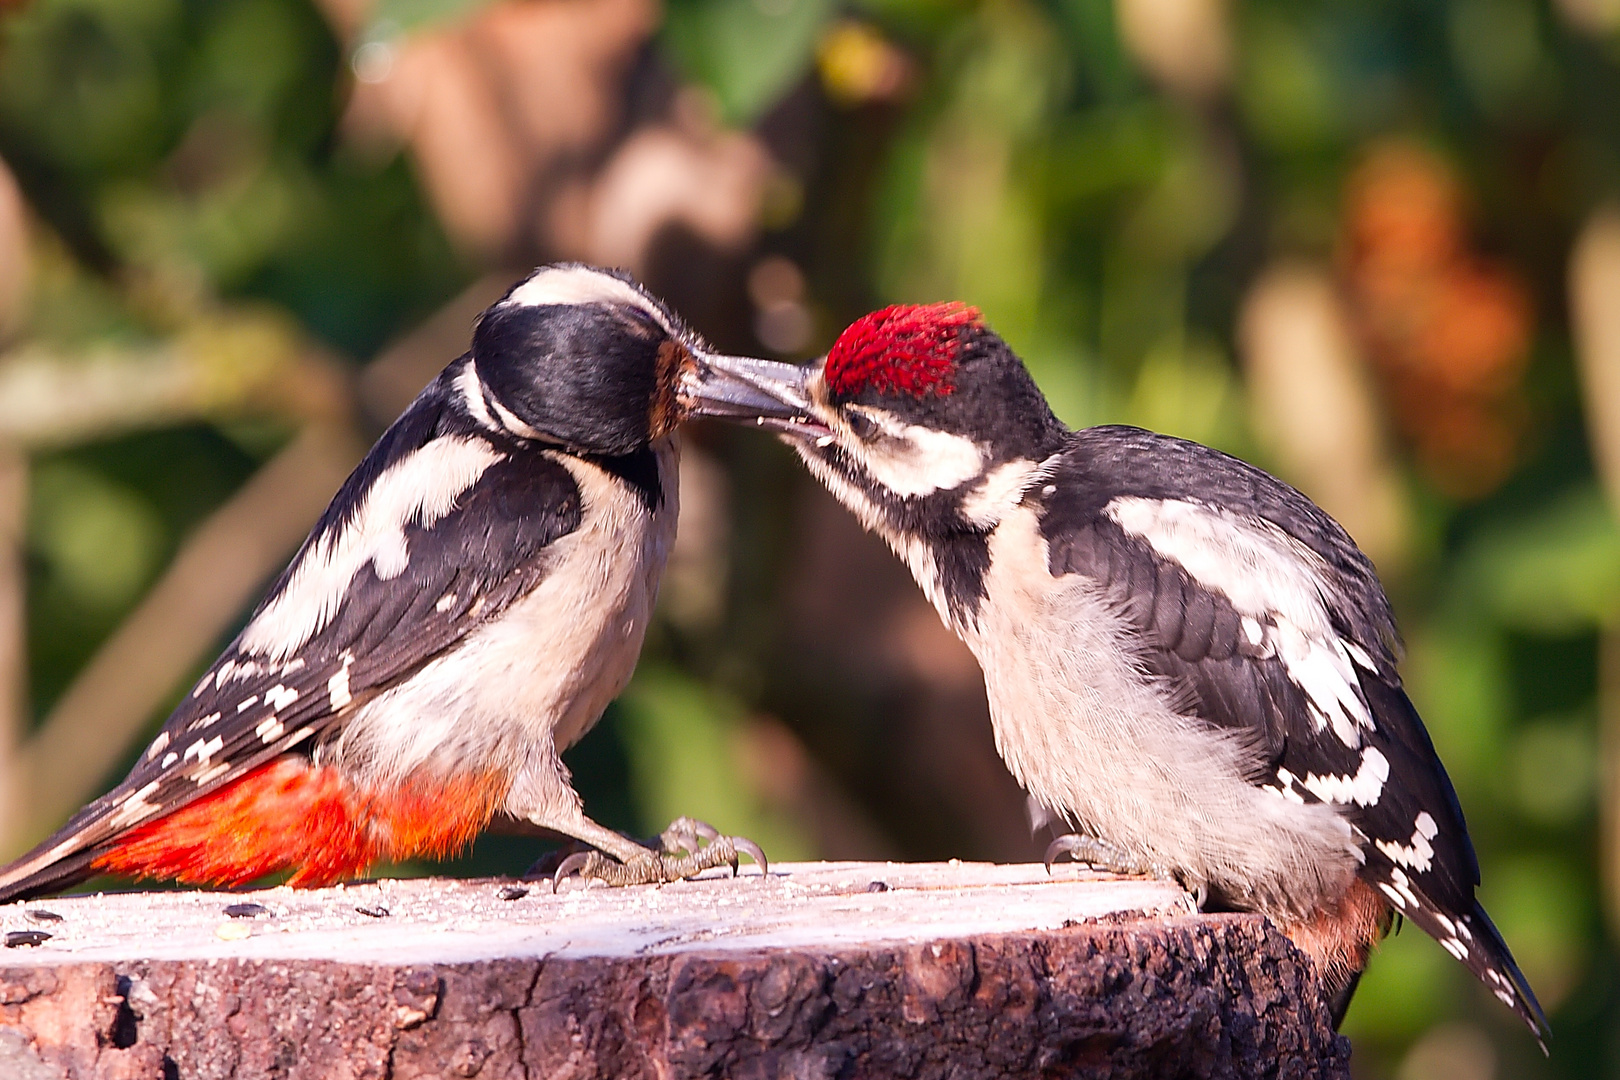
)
(583, 285)
(915, 460)
(420, 488)
(999, 491)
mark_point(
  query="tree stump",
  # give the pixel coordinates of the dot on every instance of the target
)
(820, 970)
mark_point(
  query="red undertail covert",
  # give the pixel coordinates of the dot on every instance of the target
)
(291, 815)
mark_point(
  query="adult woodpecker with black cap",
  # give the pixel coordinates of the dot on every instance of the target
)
(1187, 660)
(464, 610)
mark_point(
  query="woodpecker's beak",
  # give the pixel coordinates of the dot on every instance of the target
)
(747, 390)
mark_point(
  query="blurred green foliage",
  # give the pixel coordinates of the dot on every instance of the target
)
(1024, 159)
(681, 741)
(748, 52)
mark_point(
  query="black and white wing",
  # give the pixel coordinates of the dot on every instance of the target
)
(1265, 617)
(442, 526)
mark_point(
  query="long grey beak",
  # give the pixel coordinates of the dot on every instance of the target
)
(747, 390)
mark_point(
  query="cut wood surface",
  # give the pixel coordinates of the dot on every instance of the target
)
(819, 970)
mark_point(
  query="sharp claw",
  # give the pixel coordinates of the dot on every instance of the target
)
(573, 864)
(703, 828)
(1061, 846)
(753, 851)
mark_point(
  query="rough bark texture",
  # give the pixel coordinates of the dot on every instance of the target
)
(1128, 995)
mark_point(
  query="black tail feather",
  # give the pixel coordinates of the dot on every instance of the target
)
(1501, 975)
(1338, 998)
(1474, 940)
(51, 877)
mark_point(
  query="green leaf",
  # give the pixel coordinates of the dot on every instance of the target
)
(748, 52)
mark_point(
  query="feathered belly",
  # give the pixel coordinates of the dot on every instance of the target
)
(532, 682)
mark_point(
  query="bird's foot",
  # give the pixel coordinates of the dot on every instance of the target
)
(1102, 855)
(687, 848)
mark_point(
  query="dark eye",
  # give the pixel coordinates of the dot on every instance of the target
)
(861, 425)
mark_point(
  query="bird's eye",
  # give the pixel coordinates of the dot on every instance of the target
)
(863, 427)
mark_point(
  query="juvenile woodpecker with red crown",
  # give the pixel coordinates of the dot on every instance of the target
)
(467, 606)
(1187, 660)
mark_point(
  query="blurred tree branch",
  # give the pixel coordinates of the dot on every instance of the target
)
(223, 364)
(1315, 407)
(13, 628)
(1594, 293)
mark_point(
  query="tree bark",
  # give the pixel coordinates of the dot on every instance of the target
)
(937, 970)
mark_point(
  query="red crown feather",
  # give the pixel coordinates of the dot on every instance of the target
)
(907, 347)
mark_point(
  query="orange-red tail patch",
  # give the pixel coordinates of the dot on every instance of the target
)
(292, 815)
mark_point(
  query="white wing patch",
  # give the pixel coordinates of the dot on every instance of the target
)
(421, 488)
(1253, 563)
(337, 687)
(203, 749)
(1323, 669)
(583, 285)
(1399, 889)
(158, 745)
(1363, 789)
(229, 671)
(1419, 854)
(1277, 586)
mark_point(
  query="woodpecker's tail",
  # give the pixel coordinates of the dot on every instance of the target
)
(1493, 964)
(65, 858)
(1474, 940)
(45, 870)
